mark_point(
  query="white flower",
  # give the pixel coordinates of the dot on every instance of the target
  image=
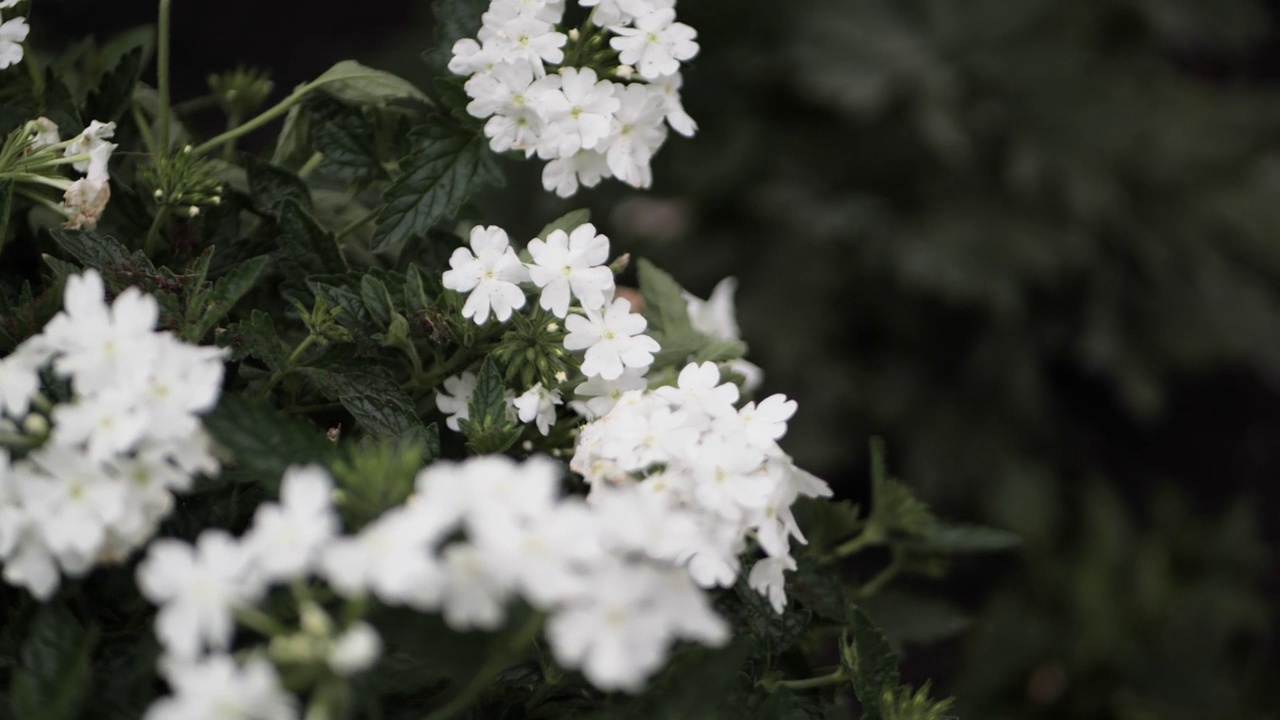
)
(677, 117)
(101, 346)
(91, 142)
(538, 404)
(604, 394)
(656, 45)
(474, 591)
(766, 578)
(578, 114)
(355, 650)
(571, 264)
(564, 175)
(197, 589)
(638, 132)
(456, 402)
(215, 688)
(715, 317)
(12, 34)
(390, 558)
(698, 387)
(20, 378)
(617, 12)
(613, 340)
(44, 132)
(70, 503)
(524, 38)
(286, 539)
(490, 276)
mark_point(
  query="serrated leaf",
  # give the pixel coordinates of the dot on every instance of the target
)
(356, 83)
(771, 633)
(448, 165)
(871, 662)
(376, 298)
(226, 292)
(256, 337)
(568, 222)
(346, 137)
(101, 252)
(271, 185)
(377, 402)
(264, 441)
(352, 315)
(489, 429)
(54, 673)
(59, 105)
(828, 522)
(112, 96)
(815, 586)
(305, 249)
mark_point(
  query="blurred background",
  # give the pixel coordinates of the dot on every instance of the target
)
(1033, 243)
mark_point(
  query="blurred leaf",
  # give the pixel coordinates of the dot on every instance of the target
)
(906, 618)
(263, 440)
(952, 538)
(54, 672)
(568, 222)
(354, 83)
(108, 102)
(271, 186)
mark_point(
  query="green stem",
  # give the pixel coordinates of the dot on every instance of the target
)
(233, 122)
(152, 243)
(267, 116)
(357, 224)
(279, 375)
(162, 71)
(260, 622)
(144, 128)
(490, 671)
(875, 584)
(838, 677)
(871, 535)
(22, 441)
(311, 164)
(37, 79)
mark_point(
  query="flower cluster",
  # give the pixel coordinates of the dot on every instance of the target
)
(568, 270)
(97, 473)
(595, 102)
(474, 536)
(35, 154)
(713, 475)
(13, 33)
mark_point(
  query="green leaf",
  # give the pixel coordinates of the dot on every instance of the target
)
(256, 338)
(292, 142)
(906, 618)
(305, 249)
(377, 475)
(112, 96)
(827, 523)
(355, 83)
(951, 538)
(54, 672)
(377, 402)
(489, 429)
(60, 105)
(568, 222)
(668, 314)
(448, 165)
(227, 291)
(894, 506)
(871, 662)
(346, 137)
(771, 633)
(816, 587)
(376, 298)
(101, 252)
(271, 186)
(264, 441)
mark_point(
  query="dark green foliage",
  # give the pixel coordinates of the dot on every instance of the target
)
(489, 429)
(109, 101)
(447, 165)
(270, 186)
(871, 663)
(263, 441)
(54, 672)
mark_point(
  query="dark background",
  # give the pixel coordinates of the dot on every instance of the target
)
(1034, 243)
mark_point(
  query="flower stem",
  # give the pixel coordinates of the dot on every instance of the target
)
(233, 122)
(267, 116)
(310, 165)
(490, 671)
(836, 678)
(162, 71)
(871, 535)
(279, 375)
(152, 243)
